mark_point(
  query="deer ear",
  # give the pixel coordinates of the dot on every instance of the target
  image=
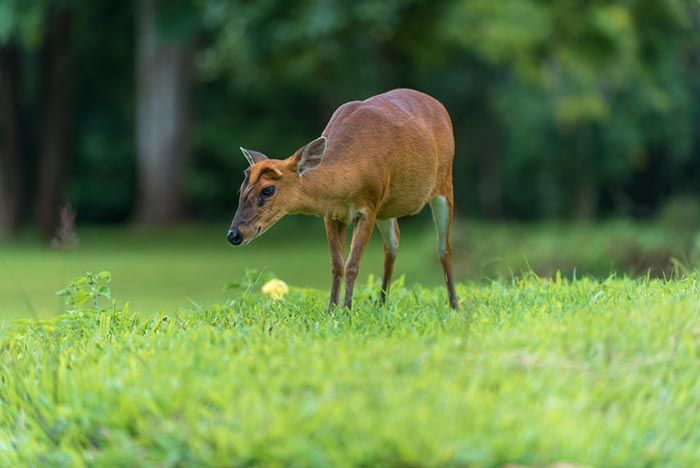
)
(253, 156)
(311, 155)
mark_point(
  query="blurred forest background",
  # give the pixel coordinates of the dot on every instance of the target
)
(134, 111)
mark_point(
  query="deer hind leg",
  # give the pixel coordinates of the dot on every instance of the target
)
(442, 207)
(360, 238)
(335, 231)
(390, 232)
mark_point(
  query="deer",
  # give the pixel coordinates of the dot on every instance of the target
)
(376, 161)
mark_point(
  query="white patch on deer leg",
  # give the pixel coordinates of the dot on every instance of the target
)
(388, 229)
(441, 218)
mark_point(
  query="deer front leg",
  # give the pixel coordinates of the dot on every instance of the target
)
(335, 232)
(360, 238)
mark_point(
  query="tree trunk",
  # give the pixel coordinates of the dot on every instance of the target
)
(12, 181)
(56, 117)
(164, 70)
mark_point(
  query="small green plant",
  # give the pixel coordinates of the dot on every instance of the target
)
(89, 304)
(88, 293)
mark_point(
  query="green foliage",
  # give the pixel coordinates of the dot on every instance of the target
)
(22, 21)
(582, 83)
(534, 371)
(85, 292)
(323, 45)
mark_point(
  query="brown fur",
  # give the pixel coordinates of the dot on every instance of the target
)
(385, 157)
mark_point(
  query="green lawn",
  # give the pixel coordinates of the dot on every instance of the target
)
(168, 268)
(532, 371)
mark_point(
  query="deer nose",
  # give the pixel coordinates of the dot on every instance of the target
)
(234, 236)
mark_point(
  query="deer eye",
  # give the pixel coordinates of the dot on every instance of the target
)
(267, 191)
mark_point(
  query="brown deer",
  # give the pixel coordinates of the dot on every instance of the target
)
(376, 161)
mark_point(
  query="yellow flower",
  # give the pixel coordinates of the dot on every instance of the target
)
(275, 288)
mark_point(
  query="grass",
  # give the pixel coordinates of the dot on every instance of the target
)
(533, 371)
(167, 269)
